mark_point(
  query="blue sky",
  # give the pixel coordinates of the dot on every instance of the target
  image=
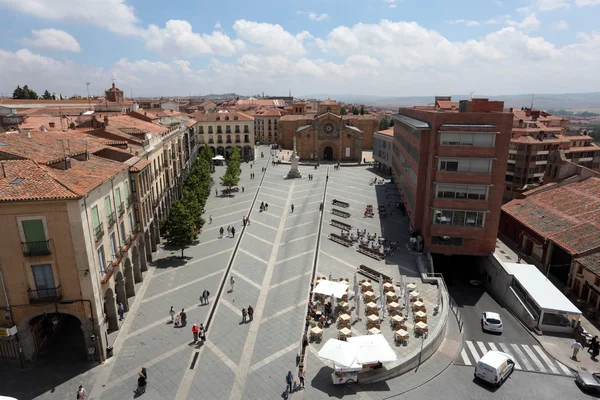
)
(372, 47)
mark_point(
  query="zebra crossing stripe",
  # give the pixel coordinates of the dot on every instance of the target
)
(492, 346)
(536, 360)
(482, 348)
(565, 369)
(465, 357)
(539, 350)
(474, 352)
(506, 349)
(523, 358)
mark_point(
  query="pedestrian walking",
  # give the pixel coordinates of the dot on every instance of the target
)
(242, 189)
(221, 233)
(81, 393)
(244, 220)
(232, 231)
(142, 381)
(202, 333)
(595, 350)
(231, 282)
(244, 314)
(183, 317)
(292, 208)
(594, 340)
(195, 332)
(250, 165)
(302, 376)
(289, 379)
(576, 346)
(216, 192)
(210, 219)
(172, 314)
(228, 230)
(121, 311)
(266, 206)
(250, 313)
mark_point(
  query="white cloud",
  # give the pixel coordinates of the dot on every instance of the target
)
(544, 6)
(498, 20)
(466, 22)
(390, 3)
(529, 23)
(218, 25)
(271, 38)
(318, 17)
(177, 39)
(584, 3)
(114, 15)
(52, 39)
(561, 25)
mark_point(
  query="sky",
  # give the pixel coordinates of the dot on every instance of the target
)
(365, 47)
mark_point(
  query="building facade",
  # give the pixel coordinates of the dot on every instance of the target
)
(584, 283)
(266, 124)
(449, 168)
(224, 129)
(383, 146)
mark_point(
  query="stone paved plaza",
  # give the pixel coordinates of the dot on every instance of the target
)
(272, 262)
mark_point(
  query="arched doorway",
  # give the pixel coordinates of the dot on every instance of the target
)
(129, 280)
(221, 151)
(120, 289)
(110, 309)
(137, 268)
(328, 153)
(58, 337)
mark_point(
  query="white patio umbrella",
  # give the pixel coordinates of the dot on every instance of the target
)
(339, 352)
(372, 349)
(330, 288)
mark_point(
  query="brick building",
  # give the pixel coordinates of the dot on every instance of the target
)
(266, 123)
(449, 168)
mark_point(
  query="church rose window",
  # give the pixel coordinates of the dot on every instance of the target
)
(328, 129)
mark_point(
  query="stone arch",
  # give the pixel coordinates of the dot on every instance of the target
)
(221, 151)
(137, 268)
(334, 150)
(120, 290)
(143, 247)
(110, 310)
(129, 279)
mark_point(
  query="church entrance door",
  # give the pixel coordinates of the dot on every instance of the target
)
(328, 153)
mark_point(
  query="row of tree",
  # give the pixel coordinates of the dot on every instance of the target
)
(24, 93)
(386, 122)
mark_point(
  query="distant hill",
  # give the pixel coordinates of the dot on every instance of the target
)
(566, 101)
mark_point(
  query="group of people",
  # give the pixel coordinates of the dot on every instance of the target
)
(594, 348)
(245, 220)
(291, 384)
(251, 175)
(247, 314)
(230, 231)
(180, 319)
(199, 332)
(310, 177)
(263, 206)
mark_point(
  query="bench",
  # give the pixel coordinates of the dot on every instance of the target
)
(341, 225)
(371, 273)
(340, 239)
(340, 203)
(340, 213)
(366, 250)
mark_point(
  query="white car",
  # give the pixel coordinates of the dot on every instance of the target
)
(491, 322)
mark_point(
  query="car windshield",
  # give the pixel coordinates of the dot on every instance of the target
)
(493, 321)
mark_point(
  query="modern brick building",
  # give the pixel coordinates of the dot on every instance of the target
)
(449, 166)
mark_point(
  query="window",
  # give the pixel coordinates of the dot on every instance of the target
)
(43, 278)
(119, 202)
(129, 217)
(461, 192)
(201, 130)
(113, 245)
(472, 165)
(210, 129)
(228, 129)
(459, 218)
(33, 229)
(447, 241)
(219, 130)
(122, 230)
(479, 139)
(108, 205)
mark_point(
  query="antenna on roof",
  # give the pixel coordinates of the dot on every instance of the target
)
(531, 108)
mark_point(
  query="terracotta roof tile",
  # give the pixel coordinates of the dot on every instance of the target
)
(24, 180)
(388, 132)
(591, 262)
(328, 102)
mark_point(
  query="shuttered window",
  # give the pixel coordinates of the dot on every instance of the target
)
(33, 230)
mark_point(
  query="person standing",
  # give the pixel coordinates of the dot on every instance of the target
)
(289, 379)
(221, 232)
(121, 311)
(292, 207)
(302, 375)
(183, 317)
(232, 231)
(172, 314)
(576, 346)
(81, 393)
(142, 381)
(195, 332)
(210, 219)
(202, 333)
(595, 350)
(594, 340)
(244, 314)
(228, 230)
(250, 313)
(231, 282)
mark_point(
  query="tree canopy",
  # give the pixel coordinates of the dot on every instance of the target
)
(343, 111)
(179, 228)
(362, 110)
(24, 93)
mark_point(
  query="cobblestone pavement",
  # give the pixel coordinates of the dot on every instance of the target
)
(271, 261)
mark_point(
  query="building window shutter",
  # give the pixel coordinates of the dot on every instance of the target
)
(126, 191)
(95, 217)
(34, 230)
(118, 194)
(107, 205)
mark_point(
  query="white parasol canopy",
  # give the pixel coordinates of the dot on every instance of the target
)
(372, 349)
(219, 158)
(339, 352)
(330, 288)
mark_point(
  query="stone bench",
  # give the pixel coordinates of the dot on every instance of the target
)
(341, 240)
(340, 203)
(340, 213)
(371, 273)
(341, 225)
(366, 250)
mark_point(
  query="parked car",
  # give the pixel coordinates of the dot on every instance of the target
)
(588, 382)
(494, 367)
(491, 322)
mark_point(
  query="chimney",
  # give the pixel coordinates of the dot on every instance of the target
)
(511, 109)
(463, 105)
(106, 119)
(67, 162)
(520, 123)
(52, 124)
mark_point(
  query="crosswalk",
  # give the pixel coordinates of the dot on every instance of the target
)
(526, 357)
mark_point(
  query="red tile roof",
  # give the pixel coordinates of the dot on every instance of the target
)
(591, 262)
(388, 132)
(328, 102)
(569, 215)
(24, 180)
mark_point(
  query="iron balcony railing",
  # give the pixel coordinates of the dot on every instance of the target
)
(121, 208)
(99, 231)
(130, 200)
(110, 218)
(36, 248)
(44, 295)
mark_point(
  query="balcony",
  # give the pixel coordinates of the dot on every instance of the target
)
(228, 141)
(108, 271)
(130, 200)
(111, 219)
(246, 131)
(238, 141)
(44, 295)
(36, 248)
(246, 140)
(121, 208)
(99, 231)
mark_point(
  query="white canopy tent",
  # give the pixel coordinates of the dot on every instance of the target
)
(340, 353)
(372, 349)
(330, 288)
(218, 158)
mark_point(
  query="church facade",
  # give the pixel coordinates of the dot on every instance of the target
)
(325, 136)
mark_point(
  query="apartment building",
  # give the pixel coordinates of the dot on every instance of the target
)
(224, 129)
(71, 249)
(383, 144)
(449, 167)
(535, 134)
(266, 122)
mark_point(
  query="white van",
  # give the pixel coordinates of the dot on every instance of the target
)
(494, 367)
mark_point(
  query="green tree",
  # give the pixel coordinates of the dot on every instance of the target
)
(384, 124)
(18, 93)
(355, 110)
(194, 206)
(47, 95)
(179, 228)
(29, 94)
(232, 173)
(362, 110)
(391, 122)
(343, 111)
